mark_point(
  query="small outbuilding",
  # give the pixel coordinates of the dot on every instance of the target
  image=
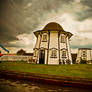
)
(84, 56)
(52, 45)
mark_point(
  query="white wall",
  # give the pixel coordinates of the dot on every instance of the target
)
(36, 50)
(62, 45)
(45, 56)
(44, 44)
(37, 42)
(53, 44)
(66, 46)
(79, 55)
(53, 60)
(53, 40)
(69, 50)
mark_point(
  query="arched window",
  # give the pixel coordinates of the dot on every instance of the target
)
(44, 37)
(53, 53)
(63, 53)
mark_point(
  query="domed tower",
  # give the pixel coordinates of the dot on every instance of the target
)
(52, 45)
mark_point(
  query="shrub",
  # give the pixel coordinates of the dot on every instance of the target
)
(83, 61)
(68, 61)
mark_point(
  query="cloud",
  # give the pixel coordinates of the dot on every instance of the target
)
(86, 10)
(16, 20)
(25, 41)
(81, 30)
(19, 18)
(28, 6)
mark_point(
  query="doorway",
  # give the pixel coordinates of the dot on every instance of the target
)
(42, 57)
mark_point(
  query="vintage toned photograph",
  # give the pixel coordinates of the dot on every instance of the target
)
(45, 45)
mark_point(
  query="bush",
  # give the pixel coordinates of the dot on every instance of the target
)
(68, 61)
(83, 61)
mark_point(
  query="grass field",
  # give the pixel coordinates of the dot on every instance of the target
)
(78, 70)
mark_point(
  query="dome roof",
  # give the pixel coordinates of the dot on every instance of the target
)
(53, 26)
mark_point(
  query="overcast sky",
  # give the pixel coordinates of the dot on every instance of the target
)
(20, 18)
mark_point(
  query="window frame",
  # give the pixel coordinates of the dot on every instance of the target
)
(63, 39)
(44, 37)
(63, 53)
(53, 53)
(84, 55)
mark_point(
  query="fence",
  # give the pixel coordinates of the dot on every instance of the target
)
(16, 58)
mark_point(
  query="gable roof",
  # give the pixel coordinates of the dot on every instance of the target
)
(4, 48)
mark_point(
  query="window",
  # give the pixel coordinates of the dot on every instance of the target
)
(63, 39)
(44, 37)
(53, 53)
(84, 54)
(63, 53)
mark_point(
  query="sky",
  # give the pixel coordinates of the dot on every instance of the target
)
(20, 18)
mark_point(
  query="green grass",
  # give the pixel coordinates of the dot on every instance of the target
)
(77, 70)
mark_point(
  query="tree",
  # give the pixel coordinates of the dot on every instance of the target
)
(21, 52)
